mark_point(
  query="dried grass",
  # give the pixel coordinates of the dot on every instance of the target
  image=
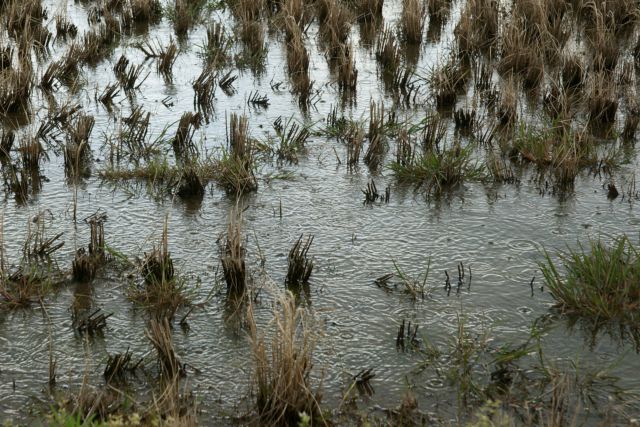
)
(283, 382)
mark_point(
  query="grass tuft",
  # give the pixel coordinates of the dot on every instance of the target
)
(300, 266)
(283, 367)
(161, 291)
(438, 169)
(601, 281)
(232, 257)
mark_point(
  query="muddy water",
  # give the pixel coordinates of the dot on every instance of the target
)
(497, 231)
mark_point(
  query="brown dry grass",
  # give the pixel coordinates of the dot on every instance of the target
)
(412, 20)
(370, 10)
(388, 52)
(377, 143)
(602, 100)
(283, 360)
(347, 72)
(478, 27)
(232, 257)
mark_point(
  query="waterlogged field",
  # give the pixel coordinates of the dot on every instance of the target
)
(321, 212)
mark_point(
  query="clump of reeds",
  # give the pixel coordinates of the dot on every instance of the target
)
(49, 76)
(559, 148)
(239, 140)
(347, 72)
(557, 102)
(204, 88)
(226, 83)
(145, 11)
(300, 265)
(375, 151)
(464, 118)
(120, 67)
(404, 148)
(37, 244)
(412, 20)
(77, 151)
(478, 27)
(283, 366)
(438, 11)
(95, 45)
(631, 121)
(335, 25)
(407, 336)
(108, 94)
(132, 137)
(235, 169)
(182, 142)
(446, 80)
(25, 15)
(251, 29)
(86, 262)
(6, 57)
(83, 266)
(6, 144)
(388, 52)
(354, 140)
(157, 266)
(371, 194)
(22, 287)
(298, 62)
(159, 333)
(296, 10)
(433, 132)
(606, 49)
(118, 365)
(522, 54)
(65, 70)
(508, 102)
(297, 56)
(292, 138)
(32, 153)
(165, 56)
(185, 13)
(161, 291)
(92, 323)
(191, 185)
(65, 28)
(16, 85)
(438, 170)
(232, 257)
(70, 61)
(482, 75)
(129, 76)
(257, 100)
(370, 10)
(601, 281)
(602, 100)
(30, 281)
(216, 47)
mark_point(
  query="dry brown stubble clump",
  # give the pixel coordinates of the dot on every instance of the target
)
(284, 381)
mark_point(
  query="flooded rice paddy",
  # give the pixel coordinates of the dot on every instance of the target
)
(478, 238)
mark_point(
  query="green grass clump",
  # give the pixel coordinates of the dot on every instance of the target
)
(438, 170)
(559, 149)
(601, 281)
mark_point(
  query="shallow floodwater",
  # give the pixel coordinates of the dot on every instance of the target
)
(498, 231)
